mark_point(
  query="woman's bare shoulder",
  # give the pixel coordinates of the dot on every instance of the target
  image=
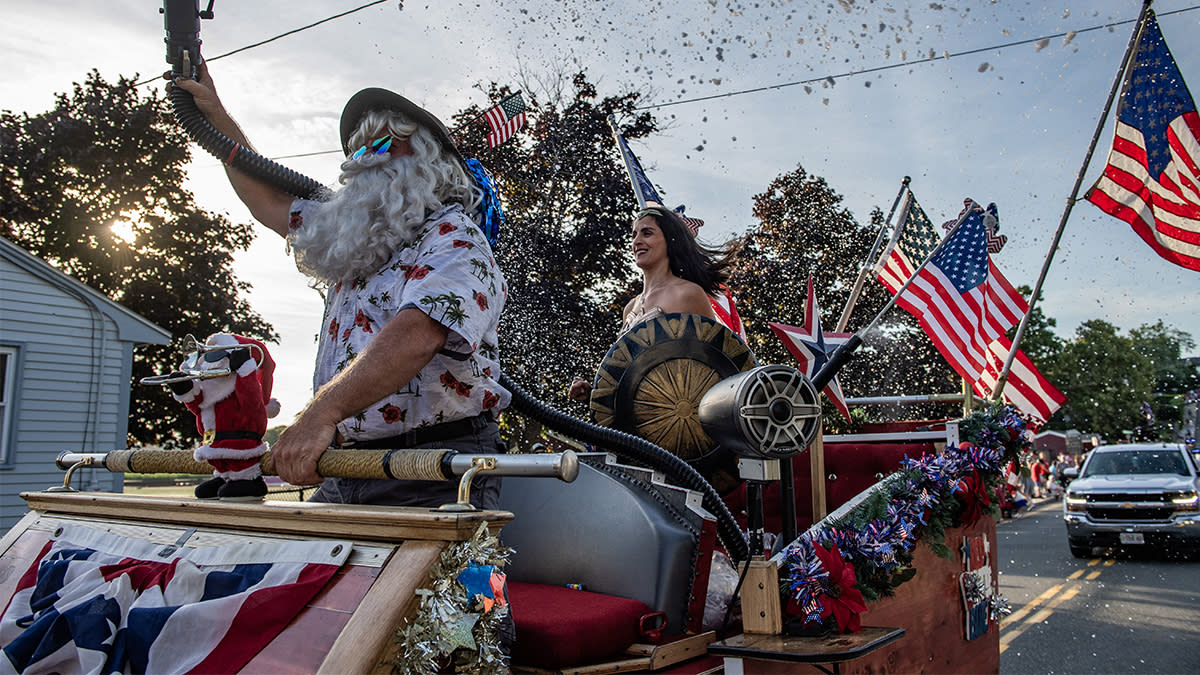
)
(688, 297)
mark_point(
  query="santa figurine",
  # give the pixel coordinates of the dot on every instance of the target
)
(231, 406)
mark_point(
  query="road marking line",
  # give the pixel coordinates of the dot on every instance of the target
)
(1076, 574)
(1041, 616)
(1093, 562)
(1020, 613)
(1110, 563)
(1093, 575)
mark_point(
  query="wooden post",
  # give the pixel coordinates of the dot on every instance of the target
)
(816, 459)
(761, 612)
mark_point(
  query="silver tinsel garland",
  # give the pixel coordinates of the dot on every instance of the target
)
(451, 632)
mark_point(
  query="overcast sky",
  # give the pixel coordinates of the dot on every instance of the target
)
(1006, 125)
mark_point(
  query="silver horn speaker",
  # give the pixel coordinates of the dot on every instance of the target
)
(769, 412)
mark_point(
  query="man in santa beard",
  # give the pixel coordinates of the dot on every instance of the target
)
(407, 354)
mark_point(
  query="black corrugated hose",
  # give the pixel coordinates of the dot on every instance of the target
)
(217, 144)
(619, 442)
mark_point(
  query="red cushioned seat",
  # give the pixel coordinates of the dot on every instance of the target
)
(559, 626)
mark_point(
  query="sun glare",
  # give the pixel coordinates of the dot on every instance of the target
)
(123, 231)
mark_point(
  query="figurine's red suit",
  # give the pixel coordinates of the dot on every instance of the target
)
(231, 412)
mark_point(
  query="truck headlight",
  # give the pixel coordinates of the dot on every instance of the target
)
(1075, 503)
(1186, 502)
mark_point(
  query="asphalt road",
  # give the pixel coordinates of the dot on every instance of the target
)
(1118, 612)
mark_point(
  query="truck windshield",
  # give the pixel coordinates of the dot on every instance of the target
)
(1137, 461)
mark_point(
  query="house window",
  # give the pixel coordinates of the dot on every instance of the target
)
(8, 362)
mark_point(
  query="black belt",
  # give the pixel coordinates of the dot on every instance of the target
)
(236, 436)
(425, 435)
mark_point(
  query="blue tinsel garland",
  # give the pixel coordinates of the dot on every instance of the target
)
(925, 484)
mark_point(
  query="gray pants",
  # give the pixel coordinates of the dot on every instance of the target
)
(485, 491)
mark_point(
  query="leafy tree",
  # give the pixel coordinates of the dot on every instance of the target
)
(1173, 376)
(563, 248)
(804, 229)
(1040, 343)
(1106, 380)
(95, 187)
(1165, 346)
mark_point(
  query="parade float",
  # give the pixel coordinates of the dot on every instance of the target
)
(703, 523)
(602, 557)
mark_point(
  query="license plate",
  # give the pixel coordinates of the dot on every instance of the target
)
(1133, 538)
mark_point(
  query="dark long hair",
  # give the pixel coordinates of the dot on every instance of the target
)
(689, 259)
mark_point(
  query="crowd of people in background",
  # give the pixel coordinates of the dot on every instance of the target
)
(1039, 475)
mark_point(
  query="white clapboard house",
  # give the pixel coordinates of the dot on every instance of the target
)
(66, 355)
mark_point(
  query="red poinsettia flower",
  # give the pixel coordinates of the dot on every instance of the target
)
(295, 221)
(448, 380)
(463, 389)
(459, 243)
(346, 334)
(333, 328)
(392, 414)
(481, 300)
(841, 599)
(972, 492)
(446, 228)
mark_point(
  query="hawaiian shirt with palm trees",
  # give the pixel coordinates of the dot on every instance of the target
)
(449, 273)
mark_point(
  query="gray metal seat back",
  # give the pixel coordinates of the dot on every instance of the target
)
(608, 531)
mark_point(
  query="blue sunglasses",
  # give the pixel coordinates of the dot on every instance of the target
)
(379, 146)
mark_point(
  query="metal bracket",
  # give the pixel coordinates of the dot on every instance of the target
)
(66, 485)
(464, 484)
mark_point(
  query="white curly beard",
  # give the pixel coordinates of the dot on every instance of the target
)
(380, 210)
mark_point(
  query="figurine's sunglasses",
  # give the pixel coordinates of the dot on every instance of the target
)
(379, 146)
(211, 356)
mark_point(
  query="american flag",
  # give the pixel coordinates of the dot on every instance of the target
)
(505, 119)
(960, 298)
(95, 602)
(912, 243)
(1026, 388)
(1152, 180)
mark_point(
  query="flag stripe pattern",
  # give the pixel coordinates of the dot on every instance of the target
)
(916, 241)
(505, 119)
(1152, 179)
(960, 298)
(94, 602)
(1026, 388)
(726, 311)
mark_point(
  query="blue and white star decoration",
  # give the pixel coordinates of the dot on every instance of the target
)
(812, 347)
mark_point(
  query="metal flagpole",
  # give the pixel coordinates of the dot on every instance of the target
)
(1062, 223)
(637, 191)
(868, 264)
(842, 355)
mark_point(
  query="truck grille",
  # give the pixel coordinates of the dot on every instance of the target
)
(1109, 512)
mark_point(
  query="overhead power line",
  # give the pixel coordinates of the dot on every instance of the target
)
(741, 92)
(281, 35)
(866, 71)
